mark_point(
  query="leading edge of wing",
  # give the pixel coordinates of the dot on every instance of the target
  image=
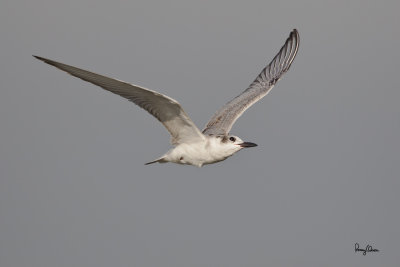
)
(167, 110)
(223, 120)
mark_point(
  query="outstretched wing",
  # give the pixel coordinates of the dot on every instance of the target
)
(223, 120)
(167, 110)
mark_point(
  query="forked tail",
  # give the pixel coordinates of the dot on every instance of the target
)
(160, 160)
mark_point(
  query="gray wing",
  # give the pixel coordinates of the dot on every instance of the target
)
(167, 110)
(223, 120)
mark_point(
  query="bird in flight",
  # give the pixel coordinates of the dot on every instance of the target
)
(191, 146)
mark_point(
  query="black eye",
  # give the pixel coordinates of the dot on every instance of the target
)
(233, 139)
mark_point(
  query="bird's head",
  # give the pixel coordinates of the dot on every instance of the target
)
(231, 144)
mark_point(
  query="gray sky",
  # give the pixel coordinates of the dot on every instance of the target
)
(74, 190)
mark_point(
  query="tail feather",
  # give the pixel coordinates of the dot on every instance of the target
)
(160, 160)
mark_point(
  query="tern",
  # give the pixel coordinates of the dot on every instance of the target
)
(191, 146)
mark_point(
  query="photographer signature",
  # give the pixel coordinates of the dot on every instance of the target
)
(368, 248)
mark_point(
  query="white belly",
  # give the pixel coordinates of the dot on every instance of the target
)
(196, 154)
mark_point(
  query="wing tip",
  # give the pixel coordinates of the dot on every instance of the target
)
(45, 60)
(293, 42)
(295, 37)
(40, 58)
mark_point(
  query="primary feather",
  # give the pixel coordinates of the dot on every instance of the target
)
(223, 120)
(167, 110)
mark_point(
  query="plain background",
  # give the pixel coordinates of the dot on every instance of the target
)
(74, 190)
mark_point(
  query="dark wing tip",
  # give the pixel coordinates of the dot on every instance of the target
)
(45, 60)
(283, 60)
(294, 38)
(224, 118)
(40, 58)
(294, 33)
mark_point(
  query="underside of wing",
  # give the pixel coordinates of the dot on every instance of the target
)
(167, 110)
(223, 120)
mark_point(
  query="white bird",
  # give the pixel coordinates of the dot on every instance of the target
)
(193, 147)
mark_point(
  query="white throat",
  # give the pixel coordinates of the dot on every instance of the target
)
(210, 150)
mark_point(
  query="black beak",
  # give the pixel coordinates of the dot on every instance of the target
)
(247, 144)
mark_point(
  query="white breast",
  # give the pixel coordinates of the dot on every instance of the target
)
(199, 153)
